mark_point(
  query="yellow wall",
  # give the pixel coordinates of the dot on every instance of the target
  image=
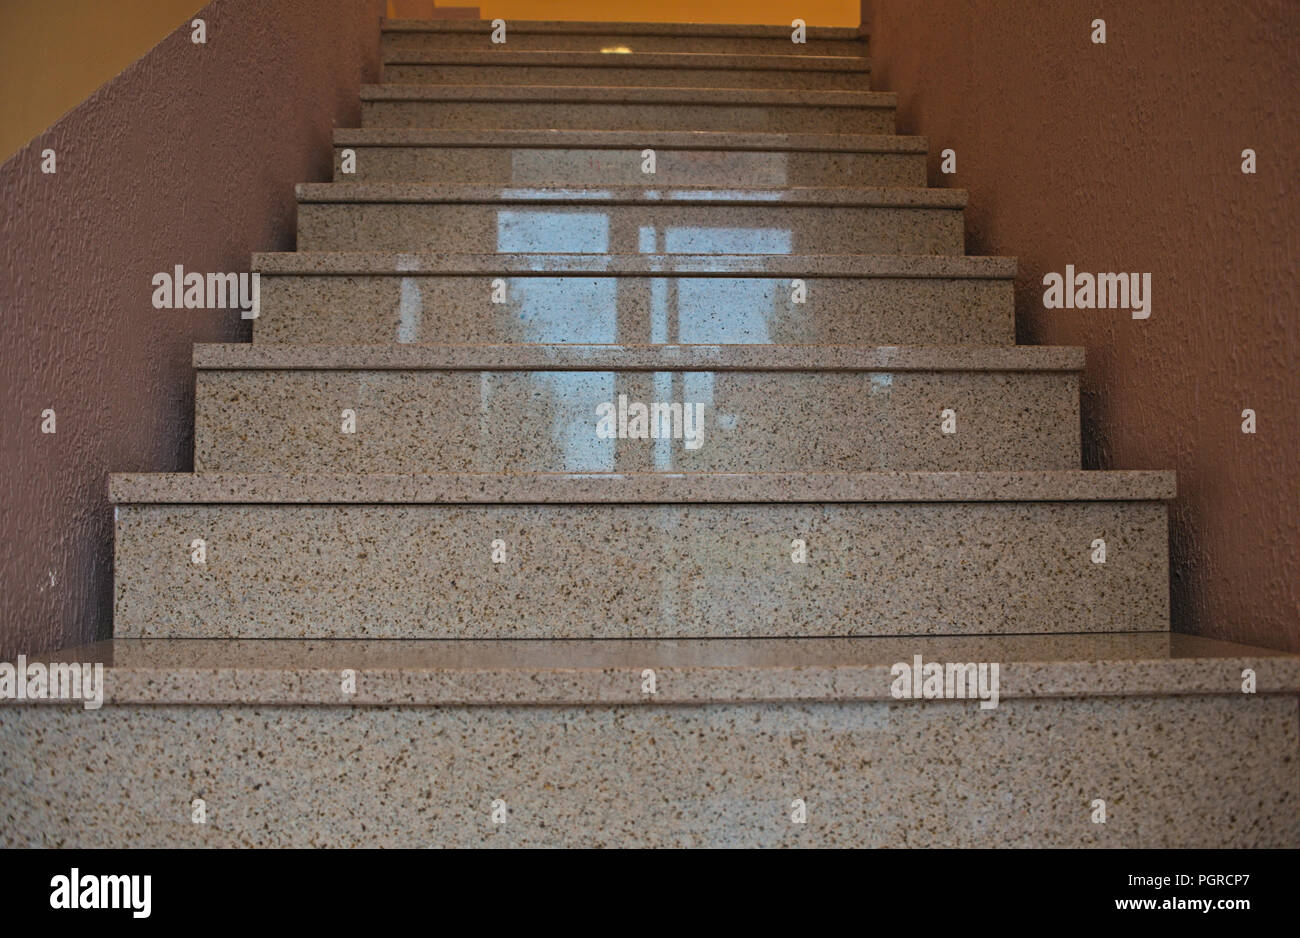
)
(55, 53)
(812, 12)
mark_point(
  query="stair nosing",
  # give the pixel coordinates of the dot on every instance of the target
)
(630, 94)
(636, 139)
(917, 197)
(559, 58)
(758, 266)
(299, 488)
(698, 671)
(243, 356)
(599, 28)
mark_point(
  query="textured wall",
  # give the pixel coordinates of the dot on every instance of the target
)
(188, 157)
(1127, 157)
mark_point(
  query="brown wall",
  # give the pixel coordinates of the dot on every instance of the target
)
(188, 157)
(1127, 157)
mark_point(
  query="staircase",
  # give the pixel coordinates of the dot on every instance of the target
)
(414, 594)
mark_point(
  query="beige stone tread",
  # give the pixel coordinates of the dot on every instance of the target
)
(638, 139)
(588, 94)
(666, 60)
(718, 30)
(837, 197)
(292, 488)
(400, 263)
(576, 357)
(496, 672)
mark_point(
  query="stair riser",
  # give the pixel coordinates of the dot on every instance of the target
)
(627, 229)
(547, 421)
(639, 571)
(609, 76)
(711, 45)
(577, 115)
(604, 167)
(718, 776)
(378, 310)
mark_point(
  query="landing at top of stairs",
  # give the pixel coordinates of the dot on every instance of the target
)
(683, 30)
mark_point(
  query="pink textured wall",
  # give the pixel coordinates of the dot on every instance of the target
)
(188, 157)
(1127, 157)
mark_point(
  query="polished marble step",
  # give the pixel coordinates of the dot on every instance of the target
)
(358, 298)
(417, 217)
(616, 158)
(621, 38)
(555, 107)
(638, 69)
(632, 555)
(564, 742)
(600, 408)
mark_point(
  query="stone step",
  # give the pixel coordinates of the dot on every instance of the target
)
(609, 408)
(542, 107)
(310, 298)
(562, 737)
(368, 216)
(615, 38)
(641, 69)
(639, 555)
(614, 157)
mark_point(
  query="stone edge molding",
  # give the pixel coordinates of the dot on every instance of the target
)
(703, 671)
(628, 139)
(638, 488)
(574, 357)
(801, 266)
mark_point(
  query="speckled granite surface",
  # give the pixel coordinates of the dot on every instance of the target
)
(481, 28)
(730, 98)
(634, 37)
(539, 113)
(167, 488)
(627, 570)
(808, 267)
(621, 227)
(671, 64)
(575, 165)
(628, 220)
(862, 359)
(513, 137)
(687, 671)
(819, 196)
(1207, 771)
(435, 419)
(662, 70)
(432, 307)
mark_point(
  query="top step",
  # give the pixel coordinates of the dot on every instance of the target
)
(621, 37)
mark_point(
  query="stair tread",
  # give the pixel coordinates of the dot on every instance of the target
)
(575, 27)
(629, 94)
(663, 139)
(883, 197)
(609, 671)
(688, 60)
(575, 356)
(549, 265)
(639, 488)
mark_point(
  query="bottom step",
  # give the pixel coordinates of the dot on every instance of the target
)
(419, 744)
